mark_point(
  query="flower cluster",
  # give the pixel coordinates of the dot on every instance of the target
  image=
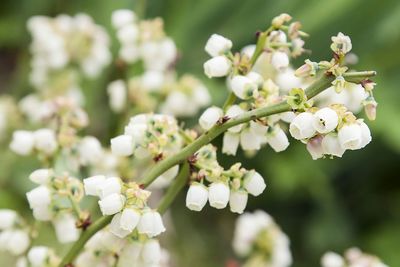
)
(14, 233)
(225, 186)
(39, 256)
(127, 202)
(260, 240)
(353, 257)
(43, 141)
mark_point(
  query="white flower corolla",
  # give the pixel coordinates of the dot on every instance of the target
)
(331, 145)
(128, 34)
(218, 45)
(111, 204)
(38, 255)
(243, 87)
(210, 117)
(66, 230)
(22, 142)
(89, 150)
(92, 183)
(152, 80)
(256, 78)
(218, 195)
(341, 44)
(151, 223)
(158, 55)
(178, 104)
(278, 37)
(238, 201)
(254, 183)
(287, 116)
(45, 141)
(279, 60)
(42, 213)
(7, 218)
(201, 96)
(115, 227)
(15, 241)
(326, 120)
(122, 17)
(129, 53)
(277, 139)
(122, 145)
(302, 127)
(350, 136)
(130, 254)
(365, 134)
(39, 197)
(117, 93)
(287, 80)
(230, 143)
(232, 112)
(356, 95)
(281, 255)
(314, 147)
(151, 252)
(111, 185)
(129, 219)
(332, 259)
(196, 197)
(219, 66)
(41, 176)
(250, 140)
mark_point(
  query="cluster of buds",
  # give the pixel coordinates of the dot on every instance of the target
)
(147, 135)
(259, 240)
(39, 256)
(224, 186)
(14, 233)
(353, 257)
(55, 199)
(105, 249)
(127, 202)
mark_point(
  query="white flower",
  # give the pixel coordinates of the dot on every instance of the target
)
(287, 80)
(7, 218)
(217, 67)
(151, 252)
(129, 53)
(314, 147)
(115, 227)
(92, 183)
(326, 120)
(90, 150)
(122, 17)
(250, 140)
(232, 112)
(230, 143)
(112, 204)
(129, 219)
(45, 140)
(332, 259)
(365, 134)
(39, 197)
(152, 80)
(279, 60)
(209, 117)
(254, 183)
(16, 241)
(66, 230)
(196, 197)
(243, 87)
(128, 34)
(22, 142)
(130, 254)
(341, 44)
(122, 145)
(38, 255)
(350, 136)
(331, 145)
(302, 126)
(42, 213)
(238, 201)
(218, 45)
(218, 195)
(256, 78)
(277, 139)
(151, 224)
(117, 93)
(109, 186)
(40, 176)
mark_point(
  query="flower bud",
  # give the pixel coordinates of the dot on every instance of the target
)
(218, 45)
(115, 227)
(129, 219)
(243, 87)
(302, 126)
(350, 136)
(109, 186)
(279, 60)
(232, 112)
(7, 218)
(111, 204)
(314, 147)
(22, 142)
(326, 120)
(91, 184)
(370, 108)
(209, 117)
(151, 223)
(15, 241)
(45, 140)
(308, 69)
(217, 67)
(38, 255)
(331, 145)
(122, 145)
(39, 197)
(218, 195)
(196, 197)
(230, 143)
(250, 140)
(238, 201)
(40, 176)
(122, 17)
(254, 183)
(341, 44)
(277, 139)
(66, 230)
(42, 213)
(151, 252)
(331, 259)
(278, 21)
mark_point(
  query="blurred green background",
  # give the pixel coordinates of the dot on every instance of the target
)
(322, 205)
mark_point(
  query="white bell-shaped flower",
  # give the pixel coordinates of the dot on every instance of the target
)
(122, 145)
(331, 145)
(254, 183)
(151, 252)
(302, 126)
(38, 255)
(129, 219)
(45, 140)
(230, 143)
(111, 204)
(7, 218)
(109, 186)
(16, 241)
(122, 17)
(117, 93)
(42, 213)
(218, 195)
(196, 197)
(90, 150)
(277, 139)
(256, 78)
(314, 147)
(332, 259)
(22, 142)
(65, 227)
(151, 223)
(40, 176)
(326, 120)
(232, 112)
(350, 136)
(130, 253)
(365, 134)
(39, 197)
(250, 140)
(243, 87)
(279, 60)
(218, 45)
(217, 67)
(91, 184)
(209, 117)
(238, 201)
(115, 227)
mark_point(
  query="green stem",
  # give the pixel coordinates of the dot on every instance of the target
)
(229, 101)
